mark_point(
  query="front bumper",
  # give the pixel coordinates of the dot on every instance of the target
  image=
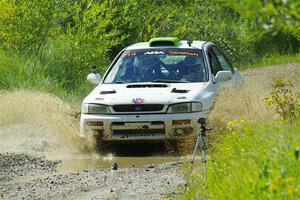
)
(145, 127)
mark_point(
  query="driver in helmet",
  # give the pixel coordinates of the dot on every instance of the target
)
(143, 68)
(194, 69)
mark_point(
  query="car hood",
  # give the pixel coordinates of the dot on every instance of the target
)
(148, 93)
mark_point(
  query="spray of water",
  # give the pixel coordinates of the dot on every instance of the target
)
(37, 123)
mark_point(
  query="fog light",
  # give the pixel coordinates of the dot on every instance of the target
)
(183, 131)
(179, 131)
(181, 121)
(188, 130)
(94, 123)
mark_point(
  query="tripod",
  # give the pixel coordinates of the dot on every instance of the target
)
(199, 142)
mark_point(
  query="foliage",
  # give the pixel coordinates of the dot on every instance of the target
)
(274, 16)
(26, 25)
(63, 38)
(276, 24)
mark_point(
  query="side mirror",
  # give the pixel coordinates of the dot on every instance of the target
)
(94, 78)
(223, 76)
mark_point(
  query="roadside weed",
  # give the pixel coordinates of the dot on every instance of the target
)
(284, 100)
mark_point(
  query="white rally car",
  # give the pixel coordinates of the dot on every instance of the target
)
(156, 90)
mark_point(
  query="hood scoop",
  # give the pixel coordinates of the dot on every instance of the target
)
(108, 92)
(175, 90)
(147, 86)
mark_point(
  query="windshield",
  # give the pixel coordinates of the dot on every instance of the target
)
(158, 65)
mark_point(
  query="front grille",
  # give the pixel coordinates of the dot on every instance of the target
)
(138, 128)
(139, 131)
(138, 108)
(152, 123)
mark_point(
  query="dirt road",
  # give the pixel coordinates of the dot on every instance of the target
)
(27, 177)
(42, 158)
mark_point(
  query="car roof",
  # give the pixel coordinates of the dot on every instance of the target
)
(183, 44)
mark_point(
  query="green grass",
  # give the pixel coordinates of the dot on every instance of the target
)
(23, 72)
(257, 161)
(273, 59)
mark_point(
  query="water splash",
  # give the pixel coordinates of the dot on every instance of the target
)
(37, 123)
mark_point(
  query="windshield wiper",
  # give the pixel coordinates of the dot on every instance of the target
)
(169, 81)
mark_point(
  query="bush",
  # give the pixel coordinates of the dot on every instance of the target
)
(284, 100)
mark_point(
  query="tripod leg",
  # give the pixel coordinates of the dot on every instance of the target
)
(192, 162)
(203, 153)
(195, 149)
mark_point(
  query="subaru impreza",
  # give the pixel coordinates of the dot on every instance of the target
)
(156, 90)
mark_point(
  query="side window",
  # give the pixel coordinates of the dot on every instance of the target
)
(214, 64)
(224, 62)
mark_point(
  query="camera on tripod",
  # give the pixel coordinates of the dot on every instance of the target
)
(200, 142)
(203, 126)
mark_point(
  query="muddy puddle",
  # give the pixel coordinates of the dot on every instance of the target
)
(125, 155)
(106, 162)
(134, 155)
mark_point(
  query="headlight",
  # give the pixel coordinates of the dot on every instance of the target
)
(185, 107)
(95, 109)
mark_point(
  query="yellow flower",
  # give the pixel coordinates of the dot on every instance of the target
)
(228, 150)
(268, 100)
(288, 180)
(231, 122)
(274, 186)
(291, 189)
(282, 101)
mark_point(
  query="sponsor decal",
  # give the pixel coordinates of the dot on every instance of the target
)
(130, 53)
(183, 53)
(138, 101)
(154, 52)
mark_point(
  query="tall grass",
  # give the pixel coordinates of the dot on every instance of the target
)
(23, 72)
(18, 72)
